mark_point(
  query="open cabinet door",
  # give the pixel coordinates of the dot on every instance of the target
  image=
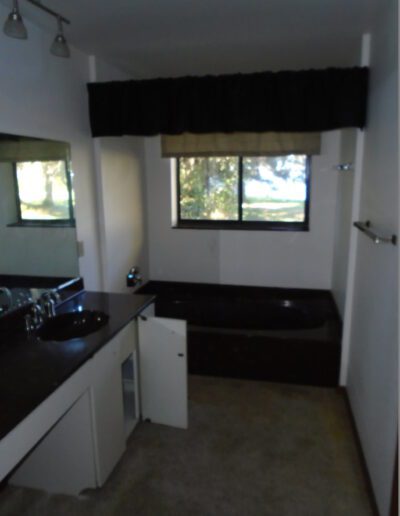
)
(163, 370)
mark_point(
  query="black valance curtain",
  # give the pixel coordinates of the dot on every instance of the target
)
(311, 100)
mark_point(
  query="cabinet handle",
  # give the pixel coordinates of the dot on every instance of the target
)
(143, 317)
(181, 355)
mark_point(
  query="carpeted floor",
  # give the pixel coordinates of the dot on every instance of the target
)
(252, 449)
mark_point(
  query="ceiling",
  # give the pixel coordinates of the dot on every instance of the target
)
(151, 38)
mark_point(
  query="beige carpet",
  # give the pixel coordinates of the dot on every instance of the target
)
(252, 449)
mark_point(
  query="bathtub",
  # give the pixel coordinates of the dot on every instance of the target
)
(284, 335)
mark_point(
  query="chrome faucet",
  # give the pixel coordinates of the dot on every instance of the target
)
(47, 305)
(48, 302)
(37, 315)
(35, 318)
(55, 295)
(44, 308)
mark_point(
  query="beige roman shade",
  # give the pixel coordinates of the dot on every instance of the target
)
(240, 144)
(33, 150)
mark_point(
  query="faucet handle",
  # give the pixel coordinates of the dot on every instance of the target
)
(48, 301)
(55, 295)
(28, 323)
(49, 307)
(37, 315)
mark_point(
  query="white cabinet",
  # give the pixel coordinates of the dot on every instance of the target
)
(163, 369)
(115, 398)
(83, 426)
(108, 412)
(63, 460)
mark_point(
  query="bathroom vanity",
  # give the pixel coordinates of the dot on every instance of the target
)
(68, 407)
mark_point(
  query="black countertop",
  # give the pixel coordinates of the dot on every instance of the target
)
(31, 369)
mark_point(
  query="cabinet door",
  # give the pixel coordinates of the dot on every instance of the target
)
(163, 370)
(63, 460)
(108, 409)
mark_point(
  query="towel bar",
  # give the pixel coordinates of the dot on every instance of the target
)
(365, 227)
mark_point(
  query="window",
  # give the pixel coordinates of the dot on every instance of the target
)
(44, 193)
(244, 192)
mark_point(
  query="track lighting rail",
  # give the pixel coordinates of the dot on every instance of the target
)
(49, 11)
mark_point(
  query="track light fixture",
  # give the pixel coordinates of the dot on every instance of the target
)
(14, 25)
(15, 28)
(60, 47)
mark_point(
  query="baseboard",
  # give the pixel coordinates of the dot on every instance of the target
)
(370, 490)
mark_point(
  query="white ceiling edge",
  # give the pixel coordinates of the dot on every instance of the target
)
(143, 56)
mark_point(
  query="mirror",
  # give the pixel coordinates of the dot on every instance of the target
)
(37, 224)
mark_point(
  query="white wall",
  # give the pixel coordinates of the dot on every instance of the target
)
(45, 96)
(123, 185)
(343, 221)
(121, 194)
(373, 361)
(263, 258)
(181, 255)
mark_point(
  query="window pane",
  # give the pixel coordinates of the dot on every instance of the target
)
(209, 188)
(275, 188)
(43, 190)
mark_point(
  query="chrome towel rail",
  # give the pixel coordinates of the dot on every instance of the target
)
(365, 227)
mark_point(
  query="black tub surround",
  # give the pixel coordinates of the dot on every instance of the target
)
(287, 101)
(32, 369)
(284, 335)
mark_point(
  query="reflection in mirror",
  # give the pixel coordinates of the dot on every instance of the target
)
(37, 224)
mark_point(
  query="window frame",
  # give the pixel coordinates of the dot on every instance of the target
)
(70, 222)
(244, 224)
